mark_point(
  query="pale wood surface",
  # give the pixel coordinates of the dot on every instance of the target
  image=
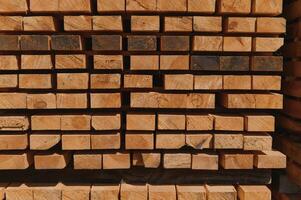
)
(71, 61)
(170, 141)
(76, 142)
(138, 81)
(15, 161)
(14, 123)
(103, 192)
(233, 44)
(66, 100)
(166, 192)
(46, 122)
(106, 122)
(105, 100)
(75, 191)
(177, 161)
(193, 192)
(36, 62)
(256, 192)
(109, 5)
(177, 24)
(267, 44)
(14, 142)
(228, 123)
(77, 23)
(270, 160)
(145, 23)
(262, 142)
(87, 161)
(147, 160)
(241, 25)
(133, 192)
(116, 161)
(139, 141)
(105, 141)
(41, 101)
(171, 122)
(75, 122)
(140, 122)
(51, 161)
(199, 122)
(202, 161)
(44, 141)
(202, 6)
(107, 23)
(199, 141)
(236, 161)
(228, 141)
(220, 192)
(207, 43)
(40, 23)
(205, 23)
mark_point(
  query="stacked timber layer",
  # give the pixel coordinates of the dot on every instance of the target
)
(60, 191)
(290, 141)
(127, 84)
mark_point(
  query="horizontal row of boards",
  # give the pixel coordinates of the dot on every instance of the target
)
(142, 23)
(140, 122)
(146, 100)
(142, 62)
(140, 43)
(137, 141)
(85, 81)
(124, 160)
(126, 191)
(263, 7)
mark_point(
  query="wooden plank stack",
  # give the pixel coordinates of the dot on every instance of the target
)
(154, 84)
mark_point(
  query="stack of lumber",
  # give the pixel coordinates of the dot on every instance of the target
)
(63, 191)
(289, 142)
(127, 84)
